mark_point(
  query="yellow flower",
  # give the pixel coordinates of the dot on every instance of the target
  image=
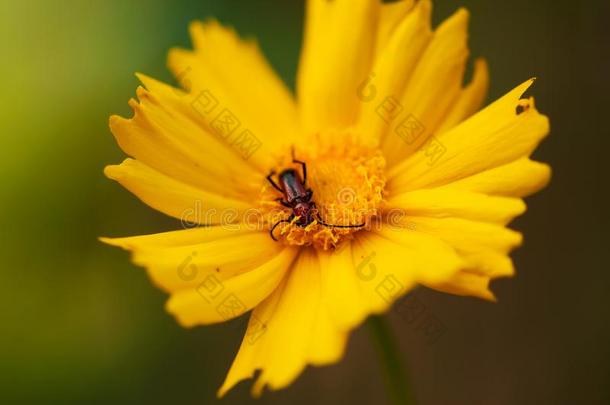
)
(391, 139)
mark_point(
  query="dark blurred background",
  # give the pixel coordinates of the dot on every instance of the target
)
(81, 324)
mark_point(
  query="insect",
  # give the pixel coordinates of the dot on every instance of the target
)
(298, 197)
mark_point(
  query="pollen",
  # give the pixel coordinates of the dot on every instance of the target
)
(347, 180)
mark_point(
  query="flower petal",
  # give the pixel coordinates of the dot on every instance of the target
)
(426, 257)
(432, 88)
(519, 178)
(444, 202)
(495, 136)
(183, 260)
(173, 197)
(482, 246)
(176, 238)
(341, 280)
(167, 134)
(237, 294)
(237, 89)
(390, 15)
(287, 331)
(469, 236)
(467, 284)
(470, 99)
(337, 54)
(392, 69)
(368, 275)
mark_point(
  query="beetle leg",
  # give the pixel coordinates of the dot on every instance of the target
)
(270, 180)
(284, 203)
(290, 218)
(309, 195)
(303, 166)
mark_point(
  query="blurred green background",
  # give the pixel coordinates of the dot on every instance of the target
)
(80, 324)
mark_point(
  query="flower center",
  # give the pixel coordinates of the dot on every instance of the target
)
(347, 181)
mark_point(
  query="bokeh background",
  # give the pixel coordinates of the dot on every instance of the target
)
(80, 324)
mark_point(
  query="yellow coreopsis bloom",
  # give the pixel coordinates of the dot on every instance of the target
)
(411, 184)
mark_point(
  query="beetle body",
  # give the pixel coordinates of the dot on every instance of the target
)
(296, 196)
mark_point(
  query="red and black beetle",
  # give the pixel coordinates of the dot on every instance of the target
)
(297, 197)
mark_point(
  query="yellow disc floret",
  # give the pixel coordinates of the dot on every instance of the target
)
(347, 180)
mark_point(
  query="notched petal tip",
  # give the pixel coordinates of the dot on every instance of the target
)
(486, 293)
(520, 207)
(256, 390)
(197, 27)
(117, 242)
(457, 21)
(546, 175)
(112, 172)
(228, 385)
(481, 68)
(482, 64)
(519, 91)
(463, 13)
(524, 105)
(142, 77)
(113, 120)
(117, 172)
(211, 29)
(144, 95)
(147, 81)
(183, 321)
(518, 240)
(491, 297)
(105, 239)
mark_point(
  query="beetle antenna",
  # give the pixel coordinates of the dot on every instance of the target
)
(338, 226)
(275, 226)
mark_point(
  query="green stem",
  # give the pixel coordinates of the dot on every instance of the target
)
(396, 378)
